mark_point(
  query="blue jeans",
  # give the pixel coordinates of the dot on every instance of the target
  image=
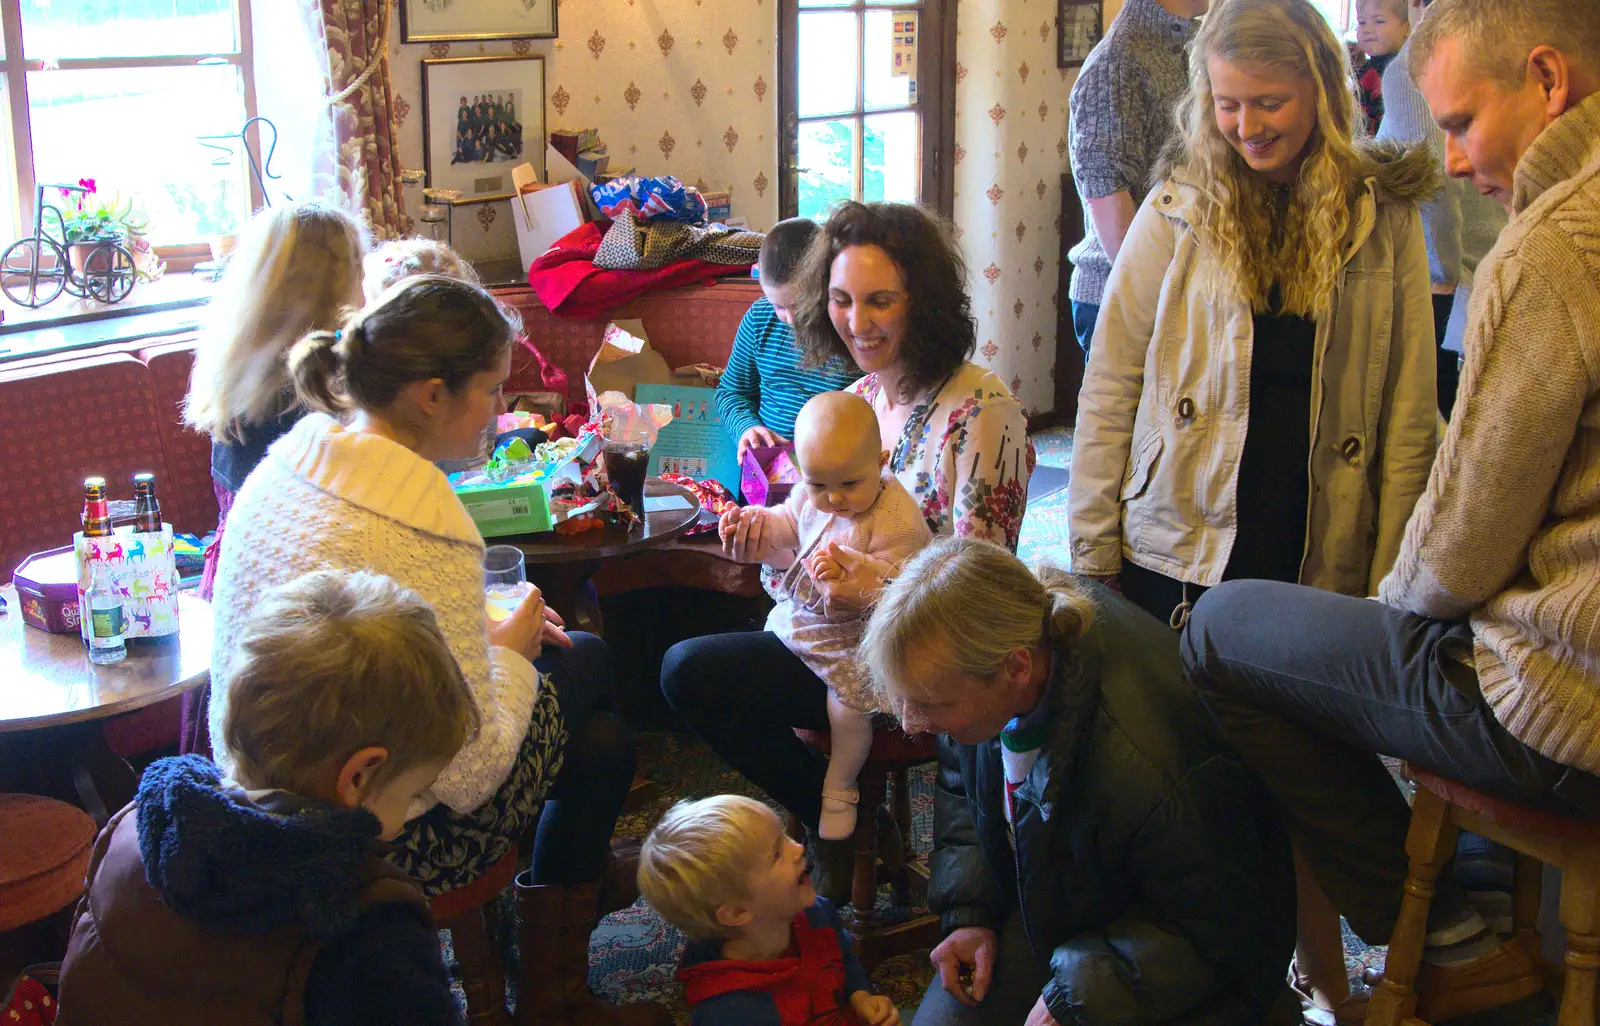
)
(1308, 686)
(1083, 317)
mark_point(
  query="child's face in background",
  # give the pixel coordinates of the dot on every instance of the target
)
(783, 298)
(1381, 28)
(841, 474)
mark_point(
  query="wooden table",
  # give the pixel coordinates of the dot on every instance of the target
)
(52, 699)
(561, 565)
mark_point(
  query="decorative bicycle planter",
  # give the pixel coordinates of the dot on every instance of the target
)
(36, 269)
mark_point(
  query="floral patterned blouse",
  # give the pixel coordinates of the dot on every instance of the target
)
(964, 456)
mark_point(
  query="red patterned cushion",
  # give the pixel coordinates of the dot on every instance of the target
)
(193, 502)
(62, 423)
(1506, 813)
(693, 325)
(44, 854)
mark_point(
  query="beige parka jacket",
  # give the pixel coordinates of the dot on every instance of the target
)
(1166, 396)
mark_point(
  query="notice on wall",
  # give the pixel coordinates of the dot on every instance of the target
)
(903, 48)
(694, 444)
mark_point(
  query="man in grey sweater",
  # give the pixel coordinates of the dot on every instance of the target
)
(1481, 661)
(1123, 108)
(1459, 225)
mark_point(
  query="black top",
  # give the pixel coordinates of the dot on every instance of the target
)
(231, 462)
(1274, 479)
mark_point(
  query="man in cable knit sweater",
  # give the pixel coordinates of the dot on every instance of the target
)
(1481, 661)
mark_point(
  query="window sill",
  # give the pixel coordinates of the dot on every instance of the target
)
(169, 304)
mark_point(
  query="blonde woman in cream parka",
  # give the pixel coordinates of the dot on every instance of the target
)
(1259, 399)
(1260, 395)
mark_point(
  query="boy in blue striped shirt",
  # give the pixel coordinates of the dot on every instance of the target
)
(764, 386)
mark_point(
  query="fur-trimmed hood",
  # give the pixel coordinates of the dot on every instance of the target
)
(1403, 174)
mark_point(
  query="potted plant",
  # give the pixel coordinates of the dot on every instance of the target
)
(89, 221)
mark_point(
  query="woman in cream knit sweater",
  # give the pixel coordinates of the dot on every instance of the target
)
(416, 376)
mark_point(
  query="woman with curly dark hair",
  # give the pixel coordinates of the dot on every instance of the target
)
(884, 285)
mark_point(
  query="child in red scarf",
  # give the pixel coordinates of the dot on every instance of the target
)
(764, 949)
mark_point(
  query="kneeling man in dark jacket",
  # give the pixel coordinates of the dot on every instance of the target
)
(1100, 855)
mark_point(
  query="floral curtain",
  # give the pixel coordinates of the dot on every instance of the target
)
(364, 162)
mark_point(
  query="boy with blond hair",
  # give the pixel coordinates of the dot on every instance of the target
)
(265, 898)
(764, 949)
(1382, 27)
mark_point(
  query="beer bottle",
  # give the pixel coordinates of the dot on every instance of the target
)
(146, 510)
(96, 510)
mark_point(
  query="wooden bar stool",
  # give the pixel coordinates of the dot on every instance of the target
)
(45, 847)
(472, 916)
(892, 756)
(1443, 808)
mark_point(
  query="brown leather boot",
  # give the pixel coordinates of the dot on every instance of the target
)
(619, 881)
(553, 927)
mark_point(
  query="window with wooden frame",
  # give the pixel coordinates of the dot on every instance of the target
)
(118, 91)
(866, 102)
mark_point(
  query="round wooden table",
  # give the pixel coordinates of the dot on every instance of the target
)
(562, 564)
(52, 699)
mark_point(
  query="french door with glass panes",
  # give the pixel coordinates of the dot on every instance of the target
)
(866, 103)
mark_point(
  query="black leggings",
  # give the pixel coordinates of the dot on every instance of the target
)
(581, 809)
(744, 694)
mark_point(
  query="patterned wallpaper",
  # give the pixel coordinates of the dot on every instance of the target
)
(682, 87)
(1011, 150)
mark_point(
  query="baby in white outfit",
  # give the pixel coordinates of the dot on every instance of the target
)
(844, 495)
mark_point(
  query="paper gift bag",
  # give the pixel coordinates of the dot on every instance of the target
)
(144, 571)
(764, 483)
(626, 361)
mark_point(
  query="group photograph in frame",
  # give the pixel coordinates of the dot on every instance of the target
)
(442, 21)
(481, 117)
(1079, 26)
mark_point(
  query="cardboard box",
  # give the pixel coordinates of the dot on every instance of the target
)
(565, 142)
(542, 215)
(719, 206)
(592, 162)
(527, 505)
(626, 361)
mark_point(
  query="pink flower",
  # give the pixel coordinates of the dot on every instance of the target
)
(87, 183)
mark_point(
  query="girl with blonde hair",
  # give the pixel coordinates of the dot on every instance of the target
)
(1260, 395)
(296, 270)
(1099, 853)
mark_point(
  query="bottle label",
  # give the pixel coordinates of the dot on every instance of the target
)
(106, 624)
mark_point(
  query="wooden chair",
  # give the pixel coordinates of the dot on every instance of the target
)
(471, 914)
(1443, 808)
(892, 756)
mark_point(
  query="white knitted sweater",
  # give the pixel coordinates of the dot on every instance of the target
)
(327, 497)
(1508, 531)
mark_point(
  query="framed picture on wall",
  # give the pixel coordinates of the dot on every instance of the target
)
(481, 117)
(1079, 25)
(438, 21)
